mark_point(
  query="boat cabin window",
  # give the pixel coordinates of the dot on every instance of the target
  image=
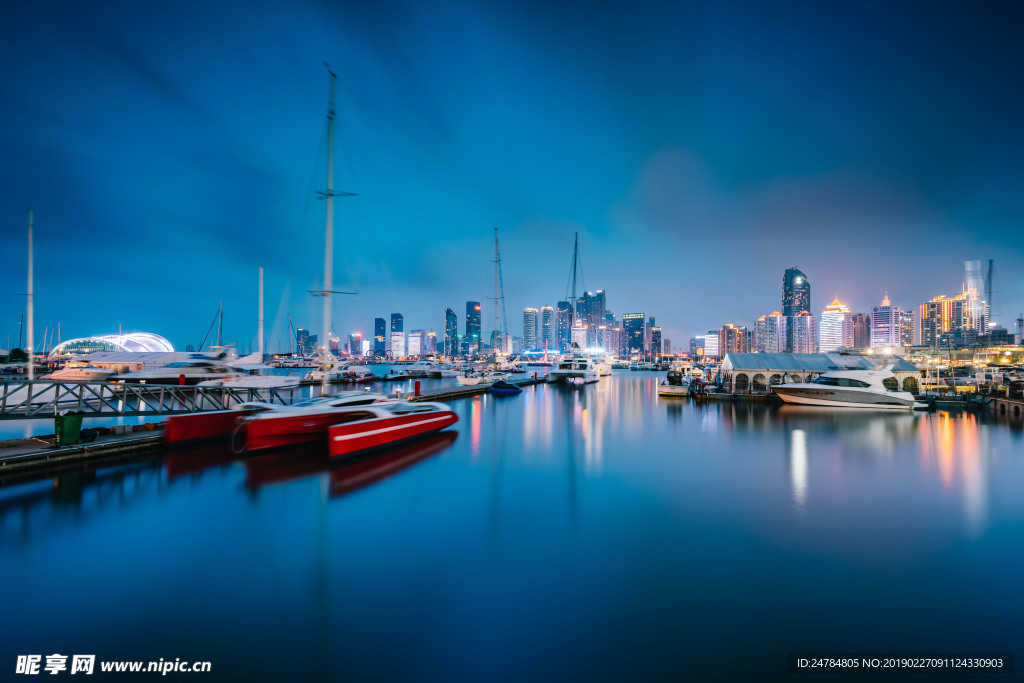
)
(841, 382)
(349, 402)
(354, 416)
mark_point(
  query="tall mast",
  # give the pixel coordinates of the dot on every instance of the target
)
(496, 331)
(31, 313)
(260, 335)
(220, 325)
(575, 255)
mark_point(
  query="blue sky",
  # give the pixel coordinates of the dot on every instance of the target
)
(699, 149)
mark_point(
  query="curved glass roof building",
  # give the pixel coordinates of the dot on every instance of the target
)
(131, 341)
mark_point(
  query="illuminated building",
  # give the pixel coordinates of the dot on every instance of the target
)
(416, 343)
(633, 328)
(907, 329)
(398, 344)
(563, 325)
(333, 342)
(962, 317)
(473, 343)
(431, 347)
(530, 328)
(804, 333)
(397, 323)
(796, 298)
(711, 344)
(835, 327)
(656, 348)
(379, 338)
(547, 322)
(451, 333)
(861, 330)
(355, 343)
(770, 333)
(732, 339)
(136, 342)
(886, 324)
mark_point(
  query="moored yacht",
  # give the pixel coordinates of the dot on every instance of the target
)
(80, 371)
(849, 389)
(575, 369)
(342, 372)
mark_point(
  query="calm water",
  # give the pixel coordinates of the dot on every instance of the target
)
(593, 533)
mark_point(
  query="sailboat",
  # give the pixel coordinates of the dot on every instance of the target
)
(575, 367)
(495, 372)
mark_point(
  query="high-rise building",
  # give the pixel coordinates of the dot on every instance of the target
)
(835, 329)
(431, 348)
(355, 343)
(908, 329)
(398, 344)
(451, 333)
(861, 330)
(667, 347)
(696, 347)
(416, 343)
(334, 341)
(303, 345)
(805, 333)
(796, 298)
(633, 328)
(474, 340)
(711, 344)
(732, 339)
(530, 316)
(563, 325)
(397, 323)
(547, 327)
(961, 317)
(770, 333)
(379, 337)
(656, 347)
(886, 324)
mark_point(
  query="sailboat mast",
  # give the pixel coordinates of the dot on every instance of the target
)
(220, 325)
(31, 312)
(575, 255)
(496, 332)
(329, 228)
(260, 335)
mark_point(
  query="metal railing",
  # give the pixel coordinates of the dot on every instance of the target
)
(42, 398)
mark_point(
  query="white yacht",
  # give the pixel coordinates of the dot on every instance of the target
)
(343, 372)
(849, 389)
(80, 371)
(676, 383)
(574, 369)
(475, 377)
(429, 368)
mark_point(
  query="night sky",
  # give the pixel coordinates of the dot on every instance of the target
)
(699, 149)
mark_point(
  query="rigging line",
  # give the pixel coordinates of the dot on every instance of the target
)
(215, 316)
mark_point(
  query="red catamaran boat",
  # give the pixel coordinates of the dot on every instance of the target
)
(386, 424)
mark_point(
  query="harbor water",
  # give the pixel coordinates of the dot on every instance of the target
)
(593, 533)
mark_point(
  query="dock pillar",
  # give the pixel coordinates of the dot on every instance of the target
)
(416, 388)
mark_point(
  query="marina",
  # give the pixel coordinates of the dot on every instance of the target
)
(563, 517)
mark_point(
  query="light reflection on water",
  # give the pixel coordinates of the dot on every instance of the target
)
(591, 532)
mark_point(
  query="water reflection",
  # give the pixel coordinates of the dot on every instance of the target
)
(798, 468)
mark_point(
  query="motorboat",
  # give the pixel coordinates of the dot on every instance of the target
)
(849, 389)
(252, 376)
(604, 367)
(676, 383)
(397, 376)
(79, 371)
(477, 377)
(342, 372)
(575, 369)
(385, 424)
(224, 423)
(503, 388)
(429, 368)
(182, 372)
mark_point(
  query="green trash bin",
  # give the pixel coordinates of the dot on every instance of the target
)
(67, 427)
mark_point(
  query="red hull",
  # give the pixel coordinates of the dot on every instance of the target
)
(346, 439)
(201, 426)
(290, 430)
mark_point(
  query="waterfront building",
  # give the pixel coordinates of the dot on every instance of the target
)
(431, 347)
(305, 344)
(379, 337)
(132, 342)
(656, 347)
(647, 337)
(547, 327)
(579, 334)
(861, 330)
(416, 343)
(732, 339)
(334, 342)
(796, 298)
(770, 333)
(474, 342)
(804, 333)
(398, 344)
(908, 329)
(451, 333)
(711, 344)
(886, 324)
(366, 347)
(563, 326)
(530, 316)
(742, 372)
(960, 319)
(355, 343)
(667, 347)
(696, 347)
(397, 323)
(633, 327)
(835, 327)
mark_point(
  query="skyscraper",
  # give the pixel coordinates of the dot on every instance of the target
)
(451, 333)
(633, 327)
(886, 324)
(796, 298)
(656, 348)
(355, 343)
(547, 321)
(563, 325)
(397, 323)
(732, 339)
(835, 327)
(861, 330)
(907, 329)
(530, 328)
(474, 341)
(431, 348)
(770, 333)
(379, 336)
(416, 343)
(805, 333)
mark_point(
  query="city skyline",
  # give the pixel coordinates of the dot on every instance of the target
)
(167, 158)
